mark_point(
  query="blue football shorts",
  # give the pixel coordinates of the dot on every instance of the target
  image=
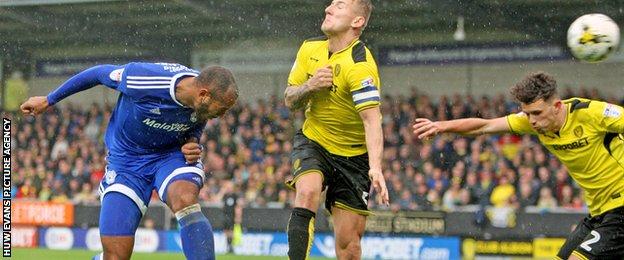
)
(130, 183)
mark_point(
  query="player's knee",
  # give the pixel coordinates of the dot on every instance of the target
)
(308, 191)
(182, 201)
(116, 250)
(308, 195)
(116, 255)
(349, 250)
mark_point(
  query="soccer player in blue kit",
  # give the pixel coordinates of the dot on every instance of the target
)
(152, 140)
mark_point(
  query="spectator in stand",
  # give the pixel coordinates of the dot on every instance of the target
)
(503, 193)
(546, 200)
(526, 195)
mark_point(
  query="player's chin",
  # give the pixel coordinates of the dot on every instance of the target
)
(326, 28)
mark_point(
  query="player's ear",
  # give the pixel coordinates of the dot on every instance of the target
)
(358, 22)
(203, 93)
(559, 105)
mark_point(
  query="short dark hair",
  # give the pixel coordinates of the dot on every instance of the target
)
(221, 81)
(366, 6)
(535, 86)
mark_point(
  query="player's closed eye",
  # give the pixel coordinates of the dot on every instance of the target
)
(338, 4)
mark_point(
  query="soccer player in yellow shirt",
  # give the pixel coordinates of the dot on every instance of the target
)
(335, 80)
(586, 137)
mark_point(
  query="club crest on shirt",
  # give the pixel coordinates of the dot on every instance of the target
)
(578, 131)
(337, 70)
(194, 117)
(611, 111)
(109, 176)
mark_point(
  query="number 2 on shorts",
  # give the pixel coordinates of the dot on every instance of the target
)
(585, 245)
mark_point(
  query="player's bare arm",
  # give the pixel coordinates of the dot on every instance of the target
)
(425, 128)
(297, 97)
(34, 106)
(374, 143)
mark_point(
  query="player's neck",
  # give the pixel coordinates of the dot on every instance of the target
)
(561, 118)
(340, 41)
(184, 92)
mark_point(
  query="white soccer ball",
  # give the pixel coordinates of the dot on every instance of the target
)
(593, 37)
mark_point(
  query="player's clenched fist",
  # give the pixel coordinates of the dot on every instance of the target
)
(34, 105)
(192, 152)
(323, 78)
(425, 128)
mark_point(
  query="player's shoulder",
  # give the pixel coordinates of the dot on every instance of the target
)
(360, 60)
(585, 105)
(578, 105)
(590, 108)
(361, 57)
(140, 65)
(359, 53)
(157, 69)
(313, 44)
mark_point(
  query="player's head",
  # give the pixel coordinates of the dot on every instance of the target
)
(537, 95)
(344, 15)
(217, 92)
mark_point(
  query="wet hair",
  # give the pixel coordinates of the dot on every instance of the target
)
(366, 7)
(220, 80)
(535, 86)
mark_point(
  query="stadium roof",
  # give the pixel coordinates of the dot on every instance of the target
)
(171, 28)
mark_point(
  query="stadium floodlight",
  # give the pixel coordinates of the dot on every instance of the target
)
(48, 2)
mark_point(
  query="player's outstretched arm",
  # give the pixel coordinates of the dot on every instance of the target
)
(102, 74)
(374, 144)
(297, 97)
(425, 128)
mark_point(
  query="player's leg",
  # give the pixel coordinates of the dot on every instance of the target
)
(178, 185)
(300, 228)
(575, 238)
(195, 229)
(308, 165)
(348, 230)
(228, 226)
(347, 198)
(123, 206)
(605, 240)
(117, 226)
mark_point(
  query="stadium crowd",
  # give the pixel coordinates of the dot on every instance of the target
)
(60, 156)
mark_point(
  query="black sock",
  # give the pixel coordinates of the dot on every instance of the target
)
(230, 248)
(300, 233)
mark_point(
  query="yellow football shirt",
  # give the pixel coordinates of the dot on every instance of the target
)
(332, 115)
(590, 145)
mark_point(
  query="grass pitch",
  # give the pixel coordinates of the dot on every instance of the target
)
(49, 254)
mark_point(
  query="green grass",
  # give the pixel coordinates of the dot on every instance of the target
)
(45, 254)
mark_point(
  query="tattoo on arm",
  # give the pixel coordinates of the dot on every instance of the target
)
(297, 97)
